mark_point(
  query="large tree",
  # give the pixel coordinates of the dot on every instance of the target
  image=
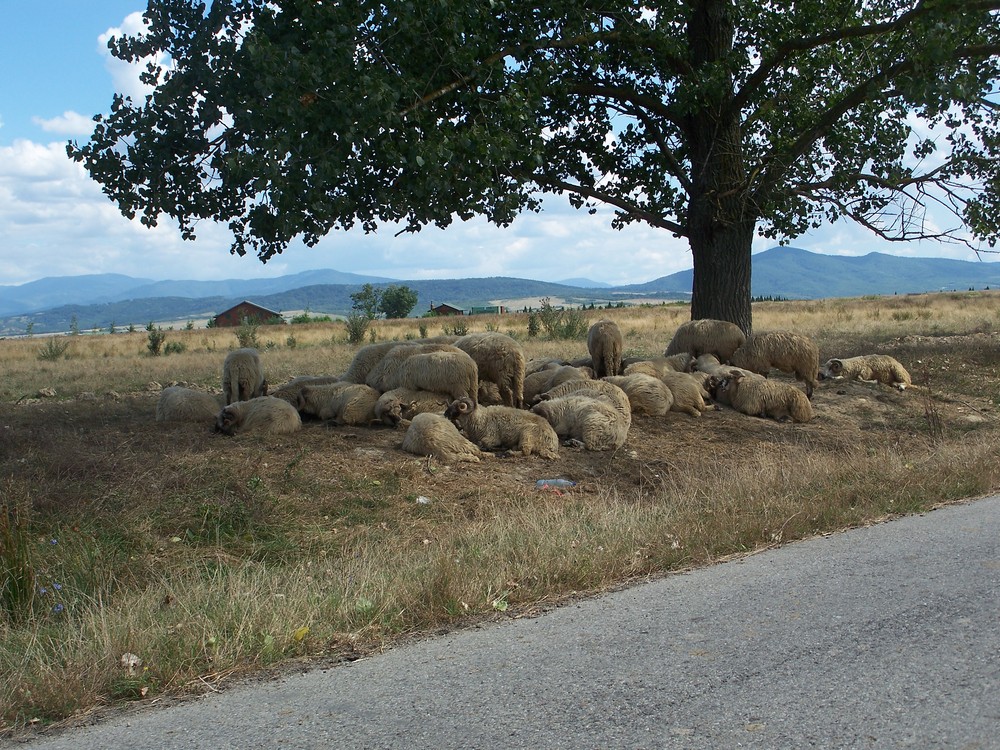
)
(710, 119)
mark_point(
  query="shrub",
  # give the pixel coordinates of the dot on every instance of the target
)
(357, 326)
(458, 328)
(156, 338)
(174, 347)
(54, 349)
(246, 333)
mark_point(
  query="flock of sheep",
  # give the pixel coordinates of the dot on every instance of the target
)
(462, 396)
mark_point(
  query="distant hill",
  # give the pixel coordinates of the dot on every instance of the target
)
(789, 272)
(585, 283)
(108, 288)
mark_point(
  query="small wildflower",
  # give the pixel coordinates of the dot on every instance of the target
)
(42, 590)
(57, 609)
(53, 541)
(57, 586)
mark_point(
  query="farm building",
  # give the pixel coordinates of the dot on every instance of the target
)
(246, 311)
(445, 309)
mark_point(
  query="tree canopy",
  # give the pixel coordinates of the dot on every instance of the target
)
(392, 301)
(710, 119)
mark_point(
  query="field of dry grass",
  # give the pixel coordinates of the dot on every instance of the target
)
(210, 558)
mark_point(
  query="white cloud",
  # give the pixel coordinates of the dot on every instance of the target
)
(69, 123)
(124, 75)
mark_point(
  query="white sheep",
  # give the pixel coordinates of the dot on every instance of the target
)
(656, 366)
(339, 403)
(433, 435)
(504, 428)
(601, 389)
(401, 404)
(646, 394)
(780, 350)
(368, 357)
(759, 397)
(180, 404)
(500, 360)
(243, 376)
(879, 368)
(587, 422)
(264, 414)
(710, 364)
(605, 344)
(707, 336)
(452, 372)
(689, 393)
(545, 380)
(537, 364)
(290, 391)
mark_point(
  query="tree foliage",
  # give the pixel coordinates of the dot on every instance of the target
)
(392, 301)
(711, 119)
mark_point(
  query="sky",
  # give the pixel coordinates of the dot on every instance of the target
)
(56, 74)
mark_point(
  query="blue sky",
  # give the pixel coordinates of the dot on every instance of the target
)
(55, 74)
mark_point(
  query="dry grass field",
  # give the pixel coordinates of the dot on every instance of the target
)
(210, 558)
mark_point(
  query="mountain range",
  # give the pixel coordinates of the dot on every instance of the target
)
(102, 300)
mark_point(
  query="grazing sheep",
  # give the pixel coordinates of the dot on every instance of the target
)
(401, 404)
(760, 397)
(707, 336)
(243, 376)
(179, 404)
(600, 389)
(781, 350)
(340, 403)
(587, 422)
(646, 394)
(689, 393)
(264, 414)
(450, 371)
(545, 380)
(656, 366)
(500, 360)
(878, 368)
(504, 428)
(605, 344)
(290, 391)
(433, 435)
(366, 358)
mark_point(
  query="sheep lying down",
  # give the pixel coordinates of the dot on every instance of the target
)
(872, 368)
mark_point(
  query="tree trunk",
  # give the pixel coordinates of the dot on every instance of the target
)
(721, 288)
(719, 225)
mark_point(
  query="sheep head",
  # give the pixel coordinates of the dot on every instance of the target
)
(460, 408)
(227, 422)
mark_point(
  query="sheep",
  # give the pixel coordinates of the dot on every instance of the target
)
(591, 423)
(243, 376)
(384, 370)
(264, 414)
(290, 391)
(600, 389)
(401, 404)
(451, 371)
(179, 404)
(782, 350)
(706, 336)
(656, 366)
(504, 428)
(709, 364)
(545, 380)
(538, 364)
(605, 344)
(500, 360)
(646, 394)
(760, 397)
(340, 403)
(878, 368)
(368, 357)
(689, 393)
(433, 435)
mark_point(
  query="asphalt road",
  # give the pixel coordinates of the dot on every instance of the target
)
(882, 637)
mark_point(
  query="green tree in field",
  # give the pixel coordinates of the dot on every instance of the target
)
(366, 301)
(710, 119)
(397, 301)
